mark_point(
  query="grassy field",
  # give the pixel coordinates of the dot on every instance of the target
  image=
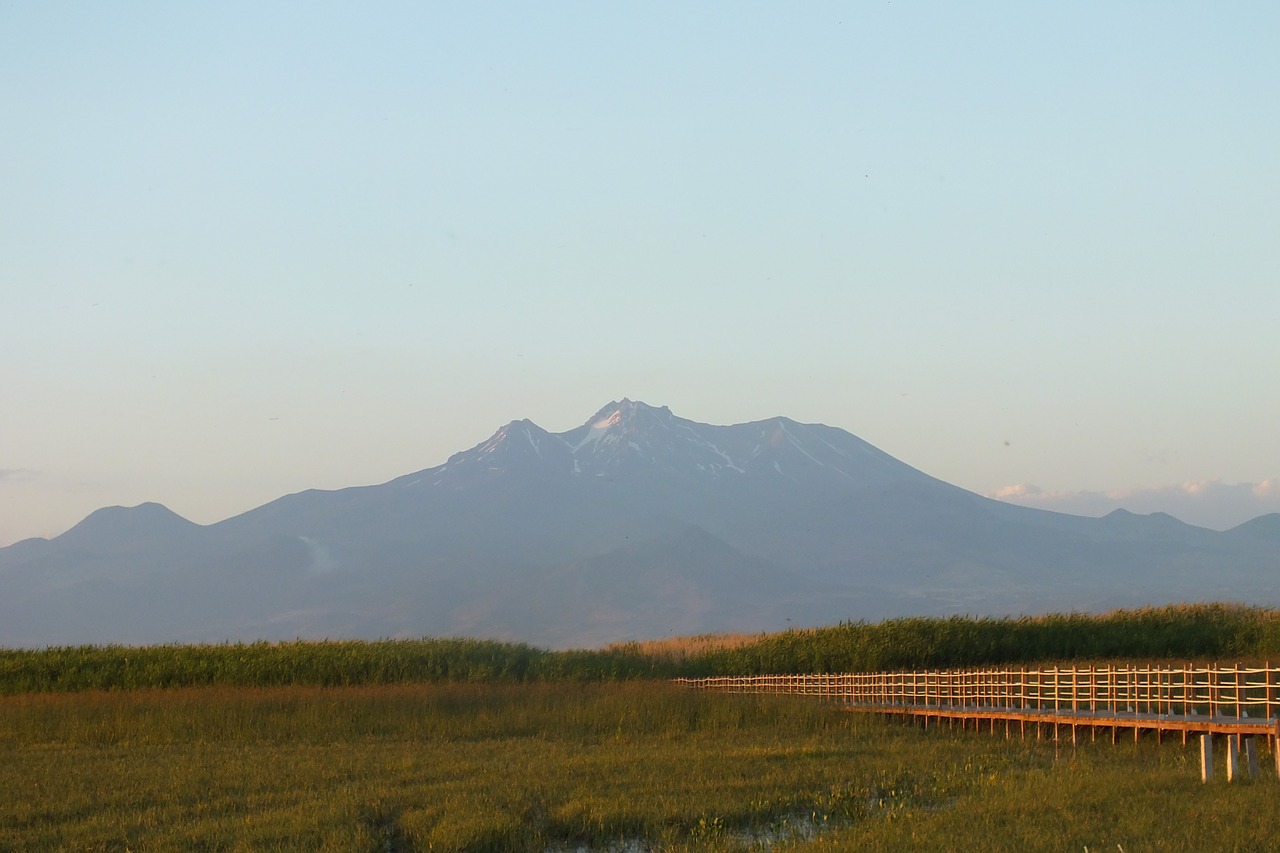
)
(540, 767)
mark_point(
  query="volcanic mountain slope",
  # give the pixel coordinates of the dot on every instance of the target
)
(635, 524)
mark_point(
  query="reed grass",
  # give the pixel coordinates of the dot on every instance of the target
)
(1177, 632)
(681, 649)
(1181, 633)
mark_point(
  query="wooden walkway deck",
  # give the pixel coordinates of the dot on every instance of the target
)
(1235, 703)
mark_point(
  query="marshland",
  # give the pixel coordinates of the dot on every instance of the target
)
(470, 746)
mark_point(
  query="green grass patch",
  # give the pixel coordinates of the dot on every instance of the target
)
(558, 766)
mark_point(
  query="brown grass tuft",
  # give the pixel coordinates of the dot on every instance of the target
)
(677, 649)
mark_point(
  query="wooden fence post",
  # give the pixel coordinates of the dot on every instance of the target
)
(1206, 757)
(1266, 703)
(1251, 756)
(1233, 757)
(1239, 694)
(1275, 747)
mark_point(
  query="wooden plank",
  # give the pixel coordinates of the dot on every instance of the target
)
(1220, 725)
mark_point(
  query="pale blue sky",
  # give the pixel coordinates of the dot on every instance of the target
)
(247, 249)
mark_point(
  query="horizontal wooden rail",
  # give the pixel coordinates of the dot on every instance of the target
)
(1237, 700)
(1214, 692)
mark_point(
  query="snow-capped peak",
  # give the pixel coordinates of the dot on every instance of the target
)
(628, 413)
(630, 438)
(612, 420)
(517, 443)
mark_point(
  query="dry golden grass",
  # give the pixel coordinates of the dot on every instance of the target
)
(677, 649)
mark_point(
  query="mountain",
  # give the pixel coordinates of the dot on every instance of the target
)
(636, 524)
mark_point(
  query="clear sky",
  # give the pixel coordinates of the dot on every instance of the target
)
(252, 248)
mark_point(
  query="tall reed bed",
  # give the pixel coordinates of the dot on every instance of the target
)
(324, 663)
(1195, 631)
(1181, 632)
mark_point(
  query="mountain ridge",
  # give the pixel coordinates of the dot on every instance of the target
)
(515, 538)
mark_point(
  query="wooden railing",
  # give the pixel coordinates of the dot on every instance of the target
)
(1190, 692)
(1240, 702)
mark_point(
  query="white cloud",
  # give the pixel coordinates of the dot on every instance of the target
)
(1013, 493)
(1206, 503)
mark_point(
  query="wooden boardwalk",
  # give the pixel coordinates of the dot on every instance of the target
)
(1236, 703)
